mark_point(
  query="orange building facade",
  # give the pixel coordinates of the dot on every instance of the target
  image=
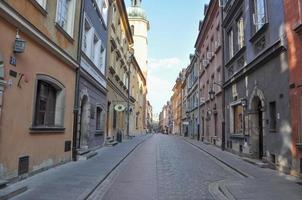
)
(37, 84)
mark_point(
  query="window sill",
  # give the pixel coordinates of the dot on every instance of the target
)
(39, 7)
(61, 29)
(235, 56)
(239, 136)
(273, 131)
(47, 129)
(258, 33)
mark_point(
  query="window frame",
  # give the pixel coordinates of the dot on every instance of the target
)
(257, 27)
(59, 105)
(70, 17)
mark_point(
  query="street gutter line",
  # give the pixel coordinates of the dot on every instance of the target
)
(243, 174)
(109, 173)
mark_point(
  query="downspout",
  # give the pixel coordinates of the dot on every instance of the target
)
(76, 99)
(223, 79)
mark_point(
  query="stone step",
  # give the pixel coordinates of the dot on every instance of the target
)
(111, 143)
(259, 163)
(11, 191)
(3, 183)
(87, 156)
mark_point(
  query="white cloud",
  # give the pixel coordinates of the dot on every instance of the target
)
(162, 74)
(164, 63)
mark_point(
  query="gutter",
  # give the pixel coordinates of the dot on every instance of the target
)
(76, 99)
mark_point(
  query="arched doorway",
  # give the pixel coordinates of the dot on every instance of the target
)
(84, 124)
(257, 114)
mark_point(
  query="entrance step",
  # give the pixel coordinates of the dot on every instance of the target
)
(259, 163)
(87, 155)
(3, 183)
(111, 143)
(11, 191)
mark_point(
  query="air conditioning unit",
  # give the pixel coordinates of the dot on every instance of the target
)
(205, 63)
(210, 55)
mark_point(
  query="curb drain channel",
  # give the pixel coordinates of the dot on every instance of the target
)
(111, 172)
(242, 174)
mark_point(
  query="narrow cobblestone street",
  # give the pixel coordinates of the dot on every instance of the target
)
(167, 167)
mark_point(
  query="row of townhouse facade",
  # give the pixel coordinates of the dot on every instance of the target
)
(73, 63)
(241, 90)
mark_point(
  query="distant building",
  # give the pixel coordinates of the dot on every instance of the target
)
(208, 45)
(177, 105)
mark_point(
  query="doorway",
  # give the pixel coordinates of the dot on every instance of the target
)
(84, 121)
(257, 127)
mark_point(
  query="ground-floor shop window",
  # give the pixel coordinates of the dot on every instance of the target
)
(236, 119)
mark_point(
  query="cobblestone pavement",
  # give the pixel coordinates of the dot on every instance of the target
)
(166, 167)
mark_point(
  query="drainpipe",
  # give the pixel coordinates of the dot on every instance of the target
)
(76, 99)
(223, 79)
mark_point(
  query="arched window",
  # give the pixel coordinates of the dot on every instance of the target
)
(49, 103)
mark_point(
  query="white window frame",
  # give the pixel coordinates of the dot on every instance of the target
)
(240, 32)
(70, 16)
(42, 3)
(259, 15)
(231, 43)
(87, 36)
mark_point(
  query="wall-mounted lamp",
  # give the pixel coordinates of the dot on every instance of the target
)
(244, 103)
(19, 45)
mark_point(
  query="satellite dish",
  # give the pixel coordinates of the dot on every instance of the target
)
(119, 108)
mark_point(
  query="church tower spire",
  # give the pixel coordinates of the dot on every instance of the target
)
(140, 27)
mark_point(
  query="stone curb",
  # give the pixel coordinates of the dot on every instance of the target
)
(89, 192)
(243, 174)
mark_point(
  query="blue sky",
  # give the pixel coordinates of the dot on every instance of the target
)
(174, 28)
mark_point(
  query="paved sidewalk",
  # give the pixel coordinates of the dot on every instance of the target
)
(261, 183)
(75, 180)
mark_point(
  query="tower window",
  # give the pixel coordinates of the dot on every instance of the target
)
(132, 29)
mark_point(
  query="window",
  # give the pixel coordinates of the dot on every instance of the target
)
(49, 103)
(102, 59)
(103, 8)
(259, 14)
(273, 116)
(94, 48)
(132, 29)
(231, 43)
(65, 15)
(240, 33)
(42, 3)
(86, 36)
(238, 119)
(99, 119)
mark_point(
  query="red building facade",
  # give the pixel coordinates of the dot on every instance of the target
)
(293, 26)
